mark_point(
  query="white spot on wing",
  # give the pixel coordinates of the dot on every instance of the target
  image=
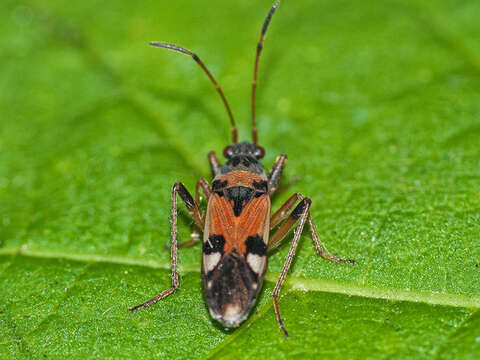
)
(210, 261)
(232, 313)
(256, 262)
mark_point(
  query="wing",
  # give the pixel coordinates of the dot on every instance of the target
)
(234, 252)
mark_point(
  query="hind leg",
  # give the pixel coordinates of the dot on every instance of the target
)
(300, 214)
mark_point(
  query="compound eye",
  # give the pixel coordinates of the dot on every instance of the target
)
(259, 152)
(228, 152)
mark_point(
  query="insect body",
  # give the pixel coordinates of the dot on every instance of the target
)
(237, 223)
(236, 236)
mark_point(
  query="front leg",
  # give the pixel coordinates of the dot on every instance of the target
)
(276, 173)
(194, 210)
(214, 163)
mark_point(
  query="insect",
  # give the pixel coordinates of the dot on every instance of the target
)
(237, 223)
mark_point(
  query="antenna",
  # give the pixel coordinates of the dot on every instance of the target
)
(255, 71)
(202, 65)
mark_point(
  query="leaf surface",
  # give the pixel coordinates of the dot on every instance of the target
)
(377, 106)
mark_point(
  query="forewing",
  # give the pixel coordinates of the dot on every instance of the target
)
(234, 256)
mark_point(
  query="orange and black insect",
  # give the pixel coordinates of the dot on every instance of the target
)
(237, 223)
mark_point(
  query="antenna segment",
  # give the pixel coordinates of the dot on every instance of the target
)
(255, 71)
(202, 65)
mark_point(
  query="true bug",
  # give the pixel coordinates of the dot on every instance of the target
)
(237, 222)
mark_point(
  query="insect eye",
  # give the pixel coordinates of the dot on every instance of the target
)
(259, 152)
(228, 152)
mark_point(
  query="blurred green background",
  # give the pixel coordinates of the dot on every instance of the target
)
(377, 105)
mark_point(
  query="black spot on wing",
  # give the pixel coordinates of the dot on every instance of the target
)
(261, 185)
(255, 245)
(215, 243)
(240, 195)
(218, 184)
(232, 267)
(232, 282)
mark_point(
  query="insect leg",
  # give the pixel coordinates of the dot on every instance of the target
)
(321, 249)
(194, 210)
(214, 163)
(281, 214)
(278, 236)
(203, 185)
(300, 212)
(276, 173)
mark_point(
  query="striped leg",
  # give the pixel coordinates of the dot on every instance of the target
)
(194, 210)
(203, 185)
(276, 173)
(214, 163)
(283, 230)
(302, 213)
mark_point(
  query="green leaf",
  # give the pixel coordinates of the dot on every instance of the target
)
(377, 106)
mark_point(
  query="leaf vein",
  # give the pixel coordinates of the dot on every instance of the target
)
(437, 350)
(296, 283)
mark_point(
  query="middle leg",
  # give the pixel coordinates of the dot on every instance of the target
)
(193, 209)
(202, 185)
(214, 163)
(282, 213)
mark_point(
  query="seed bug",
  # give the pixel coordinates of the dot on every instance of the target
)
(237, 223)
